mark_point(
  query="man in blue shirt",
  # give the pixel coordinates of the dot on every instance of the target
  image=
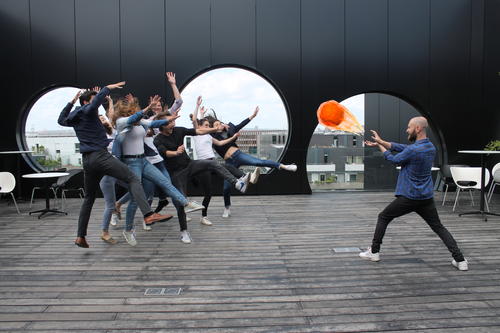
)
(414, 190)
(97, 161)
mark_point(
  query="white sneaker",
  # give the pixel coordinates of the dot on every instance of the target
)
(114, 220)
(461, 265)
(130, 237)
(255, 175)
(291, 167)
(188, 219)
(242, 183)
(368, 255)
(186, 237)
(227, 213)
(193, 206)
(204, 220)
(145, 227)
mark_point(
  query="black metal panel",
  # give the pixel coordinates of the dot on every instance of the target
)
(323, 74)
(188, 39)
(53, 42)
(450, 72)
(97, 44)
(233, 32)
(15, 69)
(278, 53)
(366, 46)
(143, 48)
(409, 50)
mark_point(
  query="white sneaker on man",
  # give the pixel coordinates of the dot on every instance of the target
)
(204, 220)
(186, 237)
(114, 220)
(291, 167)
(461, 265)
(145, 227)
(255, 175)
(368, 255)
(227, 213)
(188, 219)
(130, 237)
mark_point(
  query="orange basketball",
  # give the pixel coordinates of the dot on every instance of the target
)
(335, 116)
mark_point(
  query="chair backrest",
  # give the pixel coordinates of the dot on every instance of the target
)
(495, 169)
(62, 181)
(496, 176)
(7, 182)
(444, 169)
(75, 179)
(469, 177)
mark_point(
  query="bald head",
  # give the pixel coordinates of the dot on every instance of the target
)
(422, 122)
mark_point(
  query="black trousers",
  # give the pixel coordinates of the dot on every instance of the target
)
(96, 164)
(427, 210)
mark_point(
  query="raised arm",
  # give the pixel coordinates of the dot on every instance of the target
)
(254, 114)
(171, 80)
(111, 108)
(225, 142)
(194, 117)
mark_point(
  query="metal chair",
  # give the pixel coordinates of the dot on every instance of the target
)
(40, 185)
(496, 180)
(73, 182)
(446, 178)
(7, 184)
(469, 179)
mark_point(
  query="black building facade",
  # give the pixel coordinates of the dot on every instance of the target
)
(439, 56)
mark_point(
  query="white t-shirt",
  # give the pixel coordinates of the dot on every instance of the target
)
(156, 158)
(203, 146)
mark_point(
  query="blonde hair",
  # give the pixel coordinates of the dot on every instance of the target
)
(125, 109)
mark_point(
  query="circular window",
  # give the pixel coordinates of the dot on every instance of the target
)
(233, 94)
(53, 146)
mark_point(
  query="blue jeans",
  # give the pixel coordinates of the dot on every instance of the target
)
(143, 169)
(107, 185)
(149, 187)
(238, 159)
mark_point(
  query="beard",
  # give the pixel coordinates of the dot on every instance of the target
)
(412, 137)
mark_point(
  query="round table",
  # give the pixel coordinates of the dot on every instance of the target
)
(483, 166)
(46, 176)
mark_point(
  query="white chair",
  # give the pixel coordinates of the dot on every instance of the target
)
(7, 184)
(469, 179)
(496, 180)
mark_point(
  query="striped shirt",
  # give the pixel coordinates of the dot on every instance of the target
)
(415, 180)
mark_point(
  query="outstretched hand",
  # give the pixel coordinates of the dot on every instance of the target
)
(153, 101)
(198, 101)
(171, 78)
(254, 113)
(118, 85)
(376, 137)
(96, 89)
(173, 116)
(202, 112)
(77, 96)
(129, 98)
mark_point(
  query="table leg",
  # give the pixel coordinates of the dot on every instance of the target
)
(47, 204)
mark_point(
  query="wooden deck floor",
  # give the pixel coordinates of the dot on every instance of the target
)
(270, 267)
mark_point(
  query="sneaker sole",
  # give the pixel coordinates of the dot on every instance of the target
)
(369, 258)
(192, 210)
(255, 176)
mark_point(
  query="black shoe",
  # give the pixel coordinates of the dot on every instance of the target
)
(161, 204)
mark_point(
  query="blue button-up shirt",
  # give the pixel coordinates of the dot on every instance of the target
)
(415, 180)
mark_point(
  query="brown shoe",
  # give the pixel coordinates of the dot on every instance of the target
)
(152, 219)
(81, 242)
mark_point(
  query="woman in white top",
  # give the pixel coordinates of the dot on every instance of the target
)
(129, 147)
(203, 145)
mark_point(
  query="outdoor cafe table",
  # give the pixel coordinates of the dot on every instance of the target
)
(483, 166)
(46, 176)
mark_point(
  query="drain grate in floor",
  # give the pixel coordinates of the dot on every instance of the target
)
(163, 291)
(346, 249)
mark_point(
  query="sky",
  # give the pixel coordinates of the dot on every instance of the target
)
(232, 92)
